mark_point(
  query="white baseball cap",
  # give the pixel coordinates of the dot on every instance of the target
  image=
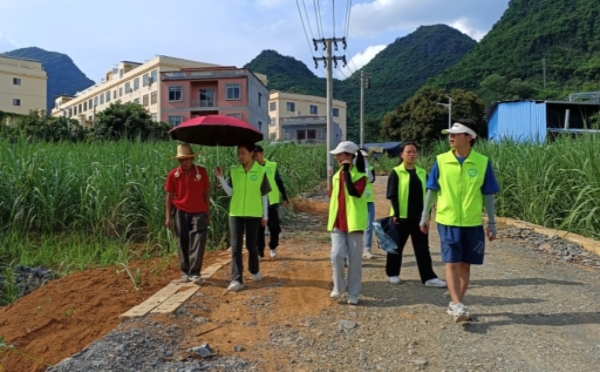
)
(346, 146)
(458, 128)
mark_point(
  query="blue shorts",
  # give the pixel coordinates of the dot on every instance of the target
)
(462, 244)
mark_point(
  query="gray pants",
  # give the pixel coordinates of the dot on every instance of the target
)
(239, 226)
(344, 245)
(191, 230)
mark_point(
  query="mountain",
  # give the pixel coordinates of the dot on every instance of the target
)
(64, 77)
(397, 72)
(564, 33)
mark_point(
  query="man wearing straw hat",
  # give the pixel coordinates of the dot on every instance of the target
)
(187, 204)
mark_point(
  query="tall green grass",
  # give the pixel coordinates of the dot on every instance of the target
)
(555, 184)
(72, 205)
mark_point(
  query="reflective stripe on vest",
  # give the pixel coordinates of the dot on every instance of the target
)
(459, 200)
(271, 170)
(356, 208)
(370, 194)
(246, 200)
(403, 183)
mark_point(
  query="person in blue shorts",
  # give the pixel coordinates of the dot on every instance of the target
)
(461, 180)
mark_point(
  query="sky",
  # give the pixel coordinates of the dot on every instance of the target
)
(99, 34)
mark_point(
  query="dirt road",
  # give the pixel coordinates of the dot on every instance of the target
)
(531, 313)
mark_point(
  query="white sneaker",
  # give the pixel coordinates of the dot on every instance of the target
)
(435, 282)
(235, 286)
(394, 280)
(461, 314)
(335, 294)
(257, 277)
(368, 255)
(273, 253)
(352, 300)
(196, 279)
(184, 279)
(451, 307)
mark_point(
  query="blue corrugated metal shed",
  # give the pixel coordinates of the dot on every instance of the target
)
(519, 121)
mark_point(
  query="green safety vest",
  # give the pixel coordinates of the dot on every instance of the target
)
(370, 194)
(271, 169)
(403, 183)
(356, 208)
(246, 200)
(459, 200)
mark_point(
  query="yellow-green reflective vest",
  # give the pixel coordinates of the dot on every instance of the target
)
(356, 208)
(370, 194)
(271, 170)
(246, 200)
(459, 200)
(403, 183)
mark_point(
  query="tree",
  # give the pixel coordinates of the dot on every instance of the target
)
(498, 88)
(130, 121)
(37, 126)
(421, 119)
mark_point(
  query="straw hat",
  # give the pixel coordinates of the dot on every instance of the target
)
(184, 151)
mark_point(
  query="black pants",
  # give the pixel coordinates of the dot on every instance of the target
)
(274, 231)
(191, 230)
(239, 226)
(420, 242)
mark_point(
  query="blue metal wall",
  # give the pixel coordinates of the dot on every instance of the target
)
(518, 121)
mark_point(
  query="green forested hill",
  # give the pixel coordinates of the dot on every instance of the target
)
(566, 33)
(397, 72)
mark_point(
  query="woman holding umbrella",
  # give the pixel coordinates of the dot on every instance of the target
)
(248, 210)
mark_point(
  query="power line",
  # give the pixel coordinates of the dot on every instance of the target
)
(348, 13)
(308, 21)
(318, 17)
(304, 27)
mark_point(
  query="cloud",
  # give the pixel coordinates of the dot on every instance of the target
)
(6, 44)
(464, 26)
(360, 59)
(371, 18)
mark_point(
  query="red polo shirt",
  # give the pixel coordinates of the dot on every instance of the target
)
(188, 190)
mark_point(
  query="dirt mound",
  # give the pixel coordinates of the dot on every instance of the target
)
(310, 206)
(67, 314)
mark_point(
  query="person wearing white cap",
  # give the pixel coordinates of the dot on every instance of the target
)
(462, 180)
(370, 195)
(347, 220)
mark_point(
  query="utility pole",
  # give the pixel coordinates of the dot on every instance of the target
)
(364, 83)
(329, 61)
(544, 64)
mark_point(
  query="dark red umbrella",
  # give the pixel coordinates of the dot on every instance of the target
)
(216, 130)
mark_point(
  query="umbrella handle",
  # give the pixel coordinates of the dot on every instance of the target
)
(218, 160)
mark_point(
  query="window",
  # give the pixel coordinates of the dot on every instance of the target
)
(80, 108)
(290, 106)
(75, 110)
(70, 112)
(108, 96)
(239, 116)
(153, 76)
(136, 84)
(90, 104)
(120, 91)
(16, 81)
(127, 87)
(16, 102)
(272, 106)
(146, 80)
(175, 120)
(153, 117)
(233, 91)
(136, 101)
(336, 112)
(95, 101)
(175, 93)
(145, 100)
(272, 121)
(102, 99)
(206, 97)
(153, 98)
(259, 99)
(85, 106)
(115, 94)
(314, 109)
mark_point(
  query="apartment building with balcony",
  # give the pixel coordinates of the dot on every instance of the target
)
(23, 85)
(303, 119)
(232, 91)
(127, 82)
